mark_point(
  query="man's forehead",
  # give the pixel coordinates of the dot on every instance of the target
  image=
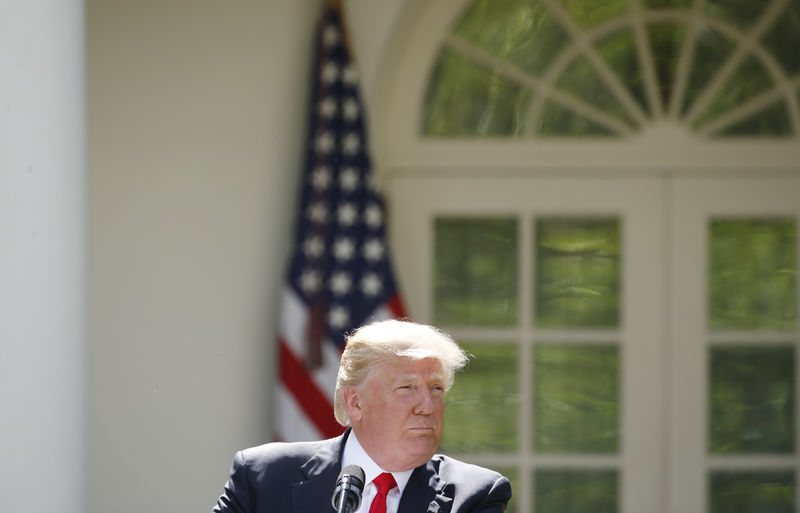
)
(404, 368)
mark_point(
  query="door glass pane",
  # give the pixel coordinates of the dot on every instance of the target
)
(475, 271)
(576, 399)
(576, 491)
(482, 406)
(752, 400)
(753, 282)
(577, 272)
(753, 492)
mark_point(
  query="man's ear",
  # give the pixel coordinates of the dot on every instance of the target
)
(352, 403)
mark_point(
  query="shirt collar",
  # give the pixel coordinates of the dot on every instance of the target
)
(354, 454)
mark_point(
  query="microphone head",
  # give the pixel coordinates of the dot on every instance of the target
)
(349, 485)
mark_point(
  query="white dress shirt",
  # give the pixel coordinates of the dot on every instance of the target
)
(354, 454)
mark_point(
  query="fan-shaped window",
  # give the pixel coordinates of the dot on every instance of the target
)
(550, 68)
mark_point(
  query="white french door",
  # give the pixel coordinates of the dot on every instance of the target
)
(669, 360)
(753, 446)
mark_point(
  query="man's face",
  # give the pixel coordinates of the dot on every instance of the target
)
(397, 413)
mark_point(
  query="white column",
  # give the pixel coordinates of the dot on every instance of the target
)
(42, 197)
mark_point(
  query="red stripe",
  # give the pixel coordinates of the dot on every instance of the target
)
(308, 396)
(395, 304)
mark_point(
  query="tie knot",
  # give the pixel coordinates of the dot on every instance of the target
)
(384, 483)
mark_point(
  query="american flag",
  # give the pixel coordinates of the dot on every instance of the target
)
(340, 276)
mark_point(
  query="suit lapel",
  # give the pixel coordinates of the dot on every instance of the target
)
(320, 474)
(425, 491)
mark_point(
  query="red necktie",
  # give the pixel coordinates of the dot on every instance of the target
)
(384, 483)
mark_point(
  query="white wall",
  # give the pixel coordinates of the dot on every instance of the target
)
(196, 117)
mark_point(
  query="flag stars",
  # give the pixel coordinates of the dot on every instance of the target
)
(341, 283)
(347, 214)
(325, 142)
(338, 317)
(351, 109)
(373, 215)
(310, 281)
(374, 250)
(327, 107)
(343, 248)
(371, 285)
(313, 247)
(330, 36)
(321, 177)
(330, 72)
(318, 212)
(352, 142)
(348, 179)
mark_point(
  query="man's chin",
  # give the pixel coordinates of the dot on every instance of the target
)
(424, 444)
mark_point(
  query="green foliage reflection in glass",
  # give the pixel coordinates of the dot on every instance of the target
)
(524, 67)
(576, 491)
(752, 400)
(781, 40)
(577, 272)
(513, 31)
(752, 492)
(482, 407)
(576, 399)
(475, 275)
(749, 80)
(753, 281)
(666, 39)
(478, 103)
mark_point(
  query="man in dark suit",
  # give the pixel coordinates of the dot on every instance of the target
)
(390, 393)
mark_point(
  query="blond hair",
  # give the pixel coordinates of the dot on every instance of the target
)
(387, 341)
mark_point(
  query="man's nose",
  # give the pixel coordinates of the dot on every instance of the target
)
(424, 402)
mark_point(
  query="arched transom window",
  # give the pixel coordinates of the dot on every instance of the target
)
(550, 68)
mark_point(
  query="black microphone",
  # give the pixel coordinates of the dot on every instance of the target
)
(347, 495)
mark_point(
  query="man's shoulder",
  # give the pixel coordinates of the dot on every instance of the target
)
(290, 453)
(451, 468)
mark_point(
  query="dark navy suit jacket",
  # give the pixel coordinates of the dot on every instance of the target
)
(300, 477)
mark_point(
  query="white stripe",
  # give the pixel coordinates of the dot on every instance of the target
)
(294, 318)
(381, 314)
(325, 376)
(291, 424)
